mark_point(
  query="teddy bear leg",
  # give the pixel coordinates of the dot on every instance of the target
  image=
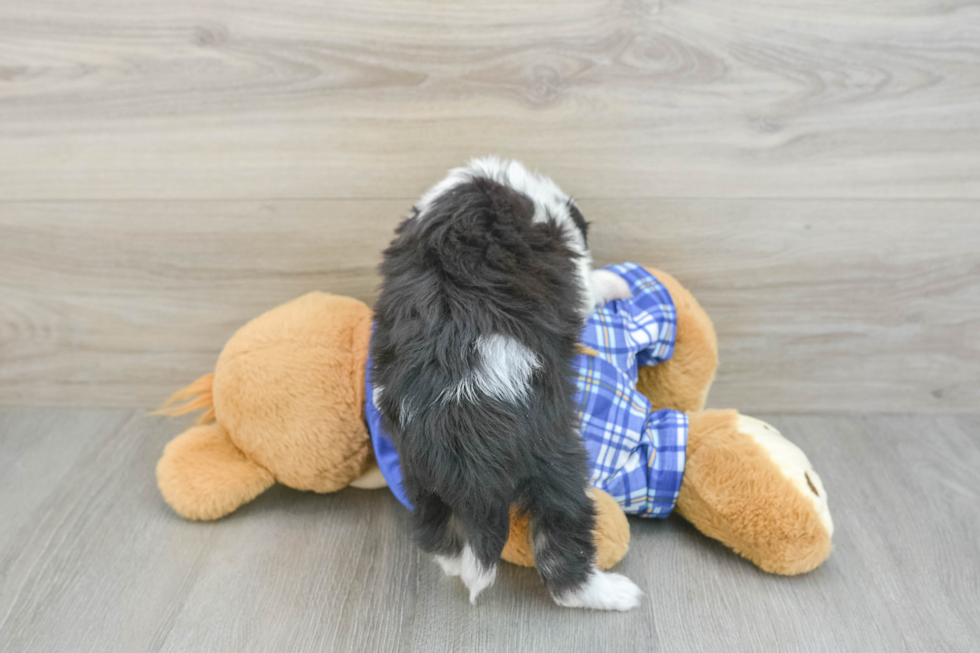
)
(612, 534)
(755, 491)
(682, 383)
(204, 476)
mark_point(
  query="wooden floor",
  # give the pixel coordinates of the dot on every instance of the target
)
(91, 559)
(810, 170)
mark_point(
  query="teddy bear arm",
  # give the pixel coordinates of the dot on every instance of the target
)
(204, 476)
(683, 381)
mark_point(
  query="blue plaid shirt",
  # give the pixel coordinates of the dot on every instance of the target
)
(636, 454)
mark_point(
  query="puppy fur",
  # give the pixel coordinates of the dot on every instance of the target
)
(486, 289)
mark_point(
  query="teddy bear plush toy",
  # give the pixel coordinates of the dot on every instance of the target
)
(291, 401)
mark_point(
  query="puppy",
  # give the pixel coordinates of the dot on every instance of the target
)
(486, 289)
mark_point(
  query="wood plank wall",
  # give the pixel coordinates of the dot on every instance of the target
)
(810, 170)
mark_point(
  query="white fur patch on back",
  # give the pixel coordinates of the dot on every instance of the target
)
(474, 575)
(503, 371)
(604, 591)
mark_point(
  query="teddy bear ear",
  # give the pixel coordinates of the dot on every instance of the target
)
(204, 476)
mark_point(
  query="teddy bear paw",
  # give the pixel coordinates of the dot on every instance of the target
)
(607, 286)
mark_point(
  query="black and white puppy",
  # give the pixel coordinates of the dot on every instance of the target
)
(486, 289)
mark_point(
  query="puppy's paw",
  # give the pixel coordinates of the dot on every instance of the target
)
(476, 577)
(607, 286)
(450, 566)
(604, 591)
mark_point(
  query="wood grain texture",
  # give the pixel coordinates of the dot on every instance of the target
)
(821, 306)
(296, 99)
(91, 559)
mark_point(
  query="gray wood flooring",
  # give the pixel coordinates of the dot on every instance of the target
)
(91, 559)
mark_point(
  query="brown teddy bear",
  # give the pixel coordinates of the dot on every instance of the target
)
(288, 403)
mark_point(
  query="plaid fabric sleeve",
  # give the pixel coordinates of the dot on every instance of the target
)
(639, 331)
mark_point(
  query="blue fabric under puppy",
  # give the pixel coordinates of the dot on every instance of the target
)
(636, 454)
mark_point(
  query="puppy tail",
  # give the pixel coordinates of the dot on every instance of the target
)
(197, 396)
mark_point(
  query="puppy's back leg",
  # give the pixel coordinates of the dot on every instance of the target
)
(562, 520)
(437, 531)
(486, 528)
